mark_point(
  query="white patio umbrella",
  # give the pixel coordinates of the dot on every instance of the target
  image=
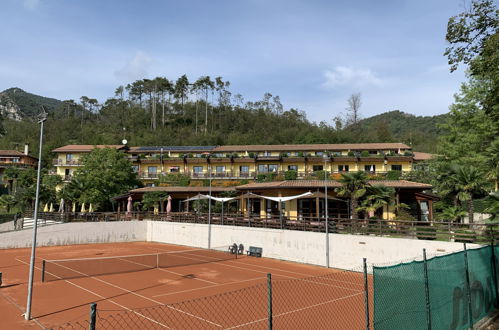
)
(129, 205)
(169, 205)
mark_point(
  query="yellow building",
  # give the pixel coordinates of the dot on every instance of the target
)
(238, 162)
(68, 158)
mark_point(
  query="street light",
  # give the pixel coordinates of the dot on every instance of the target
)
(41, 119)
(209, 210)
(325, 209)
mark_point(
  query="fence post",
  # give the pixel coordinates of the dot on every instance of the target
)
(366, 294)
(0, 279)
(269, 298)
(494, 270)
(93, 315)
(468, 288)
(43, 270)
(427, 291)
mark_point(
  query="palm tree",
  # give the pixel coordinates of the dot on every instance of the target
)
(377, 197)
(468, 181)
(7, 202)
(353, 186)
(452, 214)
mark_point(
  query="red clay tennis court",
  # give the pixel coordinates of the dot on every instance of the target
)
(161, 286)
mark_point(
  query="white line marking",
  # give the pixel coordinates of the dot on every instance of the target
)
(296, 310)
(168, 271)
(209, 286)
(295, 278)
(144, 297)
(102, 297)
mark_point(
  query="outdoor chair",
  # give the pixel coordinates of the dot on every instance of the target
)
(240, 250)
(233, 248)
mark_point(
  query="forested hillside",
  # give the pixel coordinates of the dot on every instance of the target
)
(205, 112)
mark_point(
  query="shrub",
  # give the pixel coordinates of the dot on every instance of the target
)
(251, 155)
(393, 175)
(351, 154)
(290, 175)
(407, 153)
(364, 153)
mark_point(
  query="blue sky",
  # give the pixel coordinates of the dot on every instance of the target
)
(313, 54)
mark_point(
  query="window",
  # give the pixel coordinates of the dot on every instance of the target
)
(135, 168)
(220, 169)
(292, 167)
(174, 169)
(69, 157)
(370, 168)
(319, 153)
(373, 152)
(316, 168)
(343, 168)
(244, 169)
(263, 168)
(396, 167)
(152, 171)
(273, 168)
(197, 169)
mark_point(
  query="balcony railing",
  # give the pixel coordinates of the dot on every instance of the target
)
(65, 162)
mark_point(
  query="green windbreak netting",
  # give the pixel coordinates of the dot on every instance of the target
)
(447, 291)
(400, 297)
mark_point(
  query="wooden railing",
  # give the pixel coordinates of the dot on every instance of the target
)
(442, 231)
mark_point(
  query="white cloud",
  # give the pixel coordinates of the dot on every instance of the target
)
(347, 76)
(31, 4)
(136, 68)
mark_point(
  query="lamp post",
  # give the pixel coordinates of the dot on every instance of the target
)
(209, 210)
(41, 119)
(325, 209)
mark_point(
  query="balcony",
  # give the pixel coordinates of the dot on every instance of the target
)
(223, 175)
(148, 175)
(65, 162)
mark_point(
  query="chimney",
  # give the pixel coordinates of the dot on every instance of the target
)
(26, 149)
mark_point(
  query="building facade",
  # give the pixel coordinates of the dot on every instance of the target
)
(17, 159)
(247, 162)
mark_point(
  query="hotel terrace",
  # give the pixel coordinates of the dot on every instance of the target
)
(239, 162)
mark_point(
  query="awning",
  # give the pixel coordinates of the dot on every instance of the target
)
(218, 199)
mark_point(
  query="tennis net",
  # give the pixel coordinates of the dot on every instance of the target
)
(62, 269)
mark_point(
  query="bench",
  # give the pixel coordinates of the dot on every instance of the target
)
(255, 251)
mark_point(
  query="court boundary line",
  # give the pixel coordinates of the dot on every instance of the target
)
(166, 271)
(294, 311)
(282, 270)
(146, 298)
(306, 279)
(209, 286)
(102, 297)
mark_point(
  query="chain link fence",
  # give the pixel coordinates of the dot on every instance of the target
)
(332, 301)
(452, 291)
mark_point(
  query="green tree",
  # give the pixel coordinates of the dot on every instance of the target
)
(375, 198)
(473, 38)
(105, 173)
(154, 198)
(354, 185)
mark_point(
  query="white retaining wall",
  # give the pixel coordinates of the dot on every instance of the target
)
(346, 251)
(77, 233)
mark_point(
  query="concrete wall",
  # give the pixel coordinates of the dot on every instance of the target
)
(77, 233)
(7, 226)
(346, 251)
